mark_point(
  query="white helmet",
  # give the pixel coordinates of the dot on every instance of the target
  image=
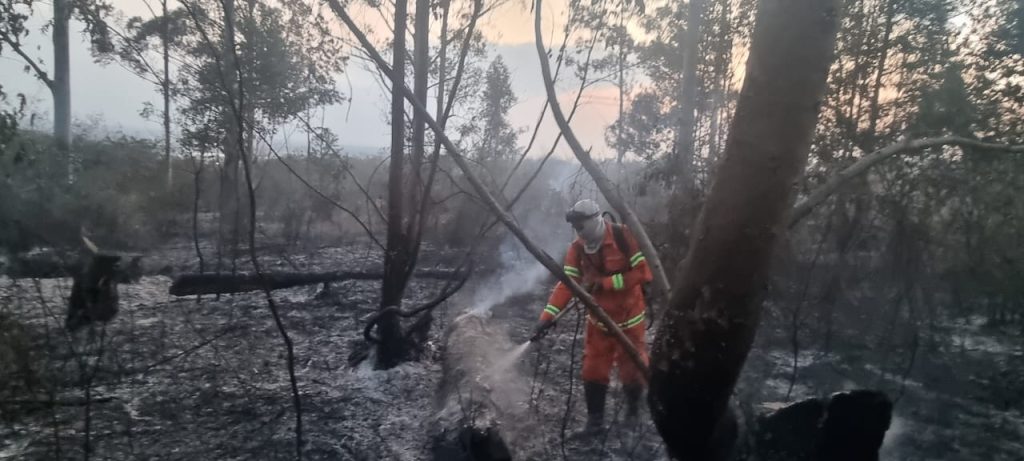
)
(583, 210)
(586, 220)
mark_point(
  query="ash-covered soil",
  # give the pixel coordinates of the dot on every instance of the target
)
(181, 378)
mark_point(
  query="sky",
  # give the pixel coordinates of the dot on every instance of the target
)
(109, 98)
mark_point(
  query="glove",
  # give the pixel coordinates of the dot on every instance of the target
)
(590, 284)
(541, 330)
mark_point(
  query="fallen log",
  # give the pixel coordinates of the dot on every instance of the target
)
(480, 394)
(206, 284)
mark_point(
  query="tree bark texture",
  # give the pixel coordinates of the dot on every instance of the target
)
(62, 85)
(706, 334)
(229, 220)
(477, 394)
(391, 350)
(421, 69)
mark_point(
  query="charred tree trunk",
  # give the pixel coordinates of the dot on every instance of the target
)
(392, 348)
(94, 296)
(229, 220)
(202, 284)
(848, 426)
(421, 69)
(707, 332)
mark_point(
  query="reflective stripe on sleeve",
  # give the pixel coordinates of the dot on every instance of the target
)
(571, 271)
(618, 283)
(551, 309)
(636, 259)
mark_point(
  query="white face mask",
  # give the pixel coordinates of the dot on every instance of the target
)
(592, 234)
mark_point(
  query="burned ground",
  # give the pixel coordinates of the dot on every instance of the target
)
(181, 379)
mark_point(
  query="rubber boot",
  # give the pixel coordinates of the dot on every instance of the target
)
(594, 394)
(632, 393)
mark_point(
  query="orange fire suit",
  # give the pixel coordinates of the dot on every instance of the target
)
(618, 277)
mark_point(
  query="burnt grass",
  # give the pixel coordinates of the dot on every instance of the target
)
(181, 378)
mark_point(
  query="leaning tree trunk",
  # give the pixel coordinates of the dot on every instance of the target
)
(708, 330)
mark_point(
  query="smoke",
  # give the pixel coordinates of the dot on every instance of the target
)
(540, 214)
(891, 443)
(511, 282)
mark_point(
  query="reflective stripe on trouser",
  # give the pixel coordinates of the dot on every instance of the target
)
(630, 323)
(602, 352)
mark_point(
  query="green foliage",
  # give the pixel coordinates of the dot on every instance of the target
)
(92, 14)
(287, 66)
(947, 108)
(494, 137)
(9, 118)
(646, 129)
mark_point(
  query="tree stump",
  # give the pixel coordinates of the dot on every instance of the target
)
(480, 395)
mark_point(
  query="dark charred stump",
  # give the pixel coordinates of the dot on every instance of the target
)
(848, 426)
(94, 296)
(470, 444)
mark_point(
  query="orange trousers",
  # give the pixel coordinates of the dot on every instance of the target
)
(601, 352)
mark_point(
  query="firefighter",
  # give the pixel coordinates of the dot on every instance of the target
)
(605, 259)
